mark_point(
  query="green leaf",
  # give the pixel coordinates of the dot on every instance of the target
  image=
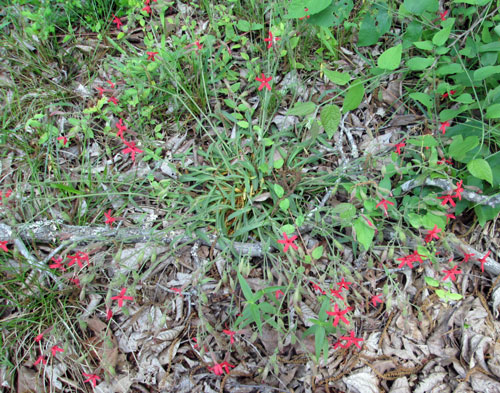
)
(339, 78)
(317, 252)
(423, 141)
(300, 220)
(432, 282)
(255, 312)
(420, 63)
(330, 118)
(441, 293)
(391, 58)
(333, 15)
(247, 291)
(277, 164)
(285, 204)
(417, 6)
(442, 35)
(424, 45)
(296, 7)
(243, 25)
(493, 111)
(372, 29)
(465, 98)
(354, 96)
(449, 69)
(454, 296)
(302, 109)
(473, 2)
(481, 169)
(243, 124)
(279, 190)
(364, 233)
(485, 72)
(424, 99)
(288, 229)
(319, 339)
(459, 148)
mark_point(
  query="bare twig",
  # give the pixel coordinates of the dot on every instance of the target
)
(491, 201)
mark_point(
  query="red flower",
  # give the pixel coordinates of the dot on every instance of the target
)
(442, 15)
(445, 95)
(131, 149)
(448, 216)
(56, 349)
(432, 234)
(317, 288)
(408, 260)
(351, 340)
(446, 199)
(375, 299)
(113, 100)
(451, 273)
(75, 281)
(467, 257)
(39, 338)
(111, 84)
(231, 334)
(63, 139)
(121, 127)
(271, 40)
(109, 220)
(384, 203)
(79, 258)
(444, 125)
(441, 162)
(101, 91)
(41, 358)
(3, 246)
(121, 297)
(288, 242)
(417, 257)
(459, 190)
(336, 293)
(307, 16)
(151, 55)
(344, 284)
(7, 194)
(198, 45)
(483, 260)
(217, 369)
(279, 292)
(338, 344)
(264, 82)
(109, 314)
(92, 379)
(339, 315)
(117, 21)
(399, 146)
(147, 9)
(57, 264)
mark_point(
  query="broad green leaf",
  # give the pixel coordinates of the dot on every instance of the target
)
(243, 124)
(481, 169)
(432, 282)
(417, 6)
(391, 58)
(279, 190)
(423, 141)
(255, 312)
(354, 96)
(442, 35)
(465, 98)
(441, 293)
(243, 25)
(364, 233)
(448, 114)
(449, 69)
(424, 45)
(319, 339)
(296, 9)
(330, 118)
(277, 164)
(333, 15)
(300, 220)
(302, 109)
(485, 72)
(317, 252)
(454, 296)
(459, 148)
(339, 78)
(372, 29)
(423, 98)
(473, 2)
(491, 47)
(493, 111)
(288, 229)
(420, 63)
(284, 204)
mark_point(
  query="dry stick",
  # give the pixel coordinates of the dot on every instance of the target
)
(53, 231)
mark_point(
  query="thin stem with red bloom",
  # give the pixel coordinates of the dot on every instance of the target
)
(63, 139)
(399, 146)
(198, 45)
(121, 127)
(79, 258)
(316, 287)
(307, 16)
(92, 379)
(231, 334)
(113, 100)
(76, 281)
(109, 220)
(41, 359)
(336, 293)
(57, 264)
(39, 338)
(121, 297)
(117, 21)
(132, 149)
(408, 260)
(56, 349)
(483, 260)
(384, 204)
(339, 315)
(442, 15)
(111, 84)
(278, 293)
(459, 190)
(375, 299)
(271, 39)
(433, 234)
(147, 9)
(351, 340)
(264, 82)
(446, 199)
(445, 95)
(448, 216)
(288, 242)
(101, 91)
(451, 273)
(443, 126)
(151, 55)
(3, 246)
(344, 284)
(467, 257)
